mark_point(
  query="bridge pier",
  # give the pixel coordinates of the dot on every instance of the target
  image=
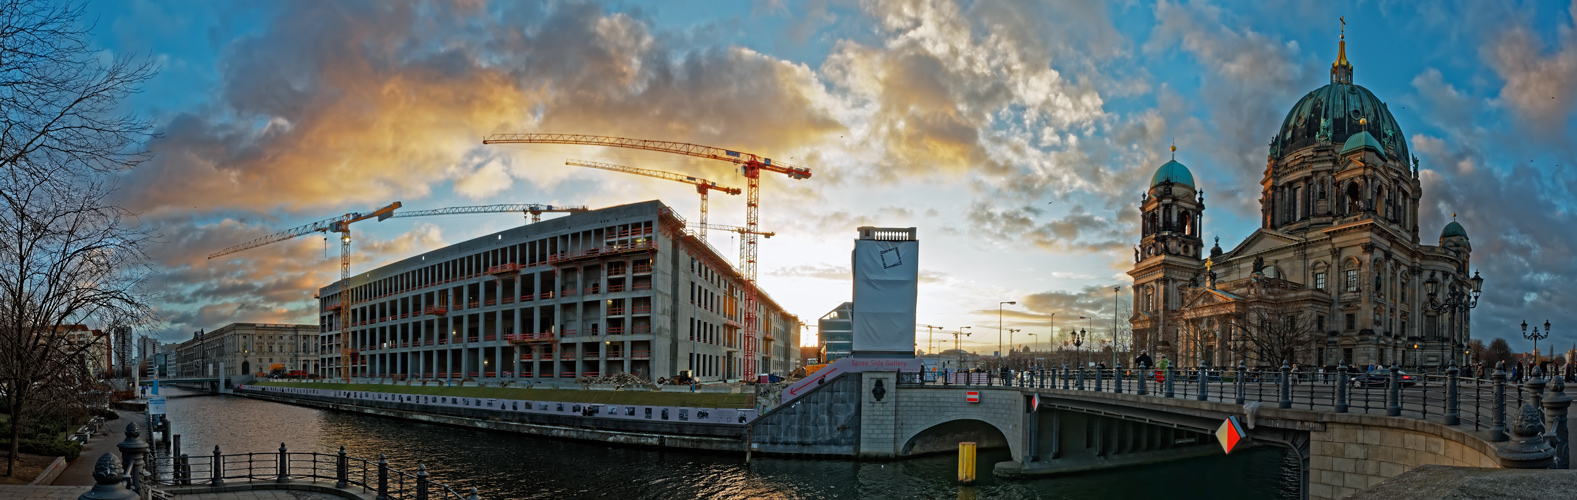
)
(1064, 441)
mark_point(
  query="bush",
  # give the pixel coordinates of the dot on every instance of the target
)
(52, 448)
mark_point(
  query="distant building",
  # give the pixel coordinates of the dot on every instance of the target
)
(250, 349)
(95, 348)
(835, 333)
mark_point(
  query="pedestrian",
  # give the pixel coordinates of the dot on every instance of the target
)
(1322, 375)
(1143, 361)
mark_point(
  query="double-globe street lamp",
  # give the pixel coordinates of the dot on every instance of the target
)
(1536, 336)
(1456, 300)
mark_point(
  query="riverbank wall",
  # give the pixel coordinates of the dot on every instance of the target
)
(711, 429)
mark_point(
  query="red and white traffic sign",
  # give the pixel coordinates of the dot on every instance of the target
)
(1034, 403)
(1230, 434)
(972, 396)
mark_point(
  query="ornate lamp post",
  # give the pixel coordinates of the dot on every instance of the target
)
(1536, 336)
(1078, 340)
(1456, 300)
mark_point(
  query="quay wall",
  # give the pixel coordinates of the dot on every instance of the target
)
(714, 429)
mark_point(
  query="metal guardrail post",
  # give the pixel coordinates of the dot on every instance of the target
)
(473, 495)
(218, 468)
(1240, 382)
(383, 477)
(1453, 411)
(1341, 387)
(1117, 379)
(1286, 385)
(1497, 431)
(131, 452)
(1100, 375)
(1393, 392)
(1081, 378)
(1555, 408)
(421, 482)
(1204, 375)
(284, 465)
(1171, 376)
(341, 469)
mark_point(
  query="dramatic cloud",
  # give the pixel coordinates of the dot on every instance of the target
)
(1078, 231)
(1539, 83)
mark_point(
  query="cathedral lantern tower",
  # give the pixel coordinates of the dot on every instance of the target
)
(1170, 253)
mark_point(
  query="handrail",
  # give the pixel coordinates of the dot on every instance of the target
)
(283, 466)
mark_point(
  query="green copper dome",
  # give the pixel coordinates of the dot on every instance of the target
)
(1172, 171)
(1362, 140)
(1333, 113)
(1453, 229)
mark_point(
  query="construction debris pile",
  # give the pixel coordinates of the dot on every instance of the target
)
(618, 381)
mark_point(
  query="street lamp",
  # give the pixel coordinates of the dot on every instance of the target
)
(1536, 336)
(1034, 338)
(1078, 340)
(1456, 300)
(999, 323)
(1011, 345)
(1115, 291)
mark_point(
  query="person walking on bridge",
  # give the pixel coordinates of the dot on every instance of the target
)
(1143, 361)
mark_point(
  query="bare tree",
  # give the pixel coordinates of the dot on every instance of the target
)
(1275, 323)
(68, 254)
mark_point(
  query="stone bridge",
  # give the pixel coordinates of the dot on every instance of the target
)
(1343, 448)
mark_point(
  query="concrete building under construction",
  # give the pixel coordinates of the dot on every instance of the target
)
(625, 289)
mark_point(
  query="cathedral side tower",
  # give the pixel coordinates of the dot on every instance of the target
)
(1169, 255)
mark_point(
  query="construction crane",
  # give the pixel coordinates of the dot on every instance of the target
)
(532, 209)
(701, 185)
(750, 166)
(339, 225)
(735, 229)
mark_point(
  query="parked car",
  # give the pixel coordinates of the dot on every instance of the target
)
(1382, 379)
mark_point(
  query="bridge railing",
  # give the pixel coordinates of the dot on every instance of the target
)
(283, 466)
(1455, 400)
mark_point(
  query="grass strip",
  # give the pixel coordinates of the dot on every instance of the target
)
(637, 397)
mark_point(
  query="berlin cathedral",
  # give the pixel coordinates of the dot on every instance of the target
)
(1336, 272)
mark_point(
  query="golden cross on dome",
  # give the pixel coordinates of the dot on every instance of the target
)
(1343, 19)
(1208, 263)
(1174, 149)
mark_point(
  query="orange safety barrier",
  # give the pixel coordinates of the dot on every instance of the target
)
(615, 287)
(615, 310)
(642, 286)
(643, 329)
(615, 330)
(643, 309)
(567, 332)
(641, 354)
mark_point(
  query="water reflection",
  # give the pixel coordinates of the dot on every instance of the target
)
(507, 465)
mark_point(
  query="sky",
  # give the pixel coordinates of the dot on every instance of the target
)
(1017, 136)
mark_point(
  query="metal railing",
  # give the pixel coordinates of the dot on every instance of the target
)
(285, 466)
(1446, 398)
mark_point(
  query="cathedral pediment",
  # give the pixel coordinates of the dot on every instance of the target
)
(1263, 240)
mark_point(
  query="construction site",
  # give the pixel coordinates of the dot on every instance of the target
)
(629, 290)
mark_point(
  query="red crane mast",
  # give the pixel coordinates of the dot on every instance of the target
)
(750, 165)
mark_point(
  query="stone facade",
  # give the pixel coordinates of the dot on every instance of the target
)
(1338, 254)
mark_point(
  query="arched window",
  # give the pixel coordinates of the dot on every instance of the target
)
(1187, 223)
(1353, 196)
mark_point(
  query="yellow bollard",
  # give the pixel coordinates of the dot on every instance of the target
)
(966, 462)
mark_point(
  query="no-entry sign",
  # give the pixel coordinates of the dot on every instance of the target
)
(972, 396)
(1230, 434)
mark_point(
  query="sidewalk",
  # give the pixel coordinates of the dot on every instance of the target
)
(80, 471)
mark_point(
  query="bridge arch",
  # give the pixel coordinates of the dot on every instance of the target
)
(945, 436)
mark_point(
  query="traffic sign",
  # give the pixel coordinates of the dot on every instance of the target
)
(1034, 403)
(156, 405)
(1230, 434)
(972, 396)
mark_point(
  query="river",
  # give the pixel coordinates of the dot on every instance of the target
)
(507, 465)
